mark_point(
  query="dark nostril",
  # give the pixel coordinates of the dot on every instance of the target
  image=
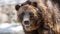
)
(26, 22)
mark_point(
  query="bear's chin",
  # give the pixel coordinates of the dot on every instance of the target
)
(30, 28)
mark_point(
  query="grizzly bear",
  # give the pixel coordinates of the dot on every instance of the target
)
(30, 17)
(40, 17)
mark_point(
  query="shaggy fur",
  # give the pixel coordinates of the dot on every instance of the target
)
(36, 20)
(48, 18)
(51, 14)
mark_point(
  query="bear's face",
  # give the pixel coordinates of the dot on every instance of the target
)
(28, 17)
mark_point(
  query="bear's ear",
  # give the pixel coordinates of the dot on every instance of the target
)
(34, 4)
(17, 7)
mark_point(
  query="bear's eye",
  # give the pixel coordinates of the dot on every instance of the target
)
(20, 16)
(31, 16)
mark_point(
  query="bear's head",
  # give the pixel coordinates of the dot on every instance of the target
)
(29, 16)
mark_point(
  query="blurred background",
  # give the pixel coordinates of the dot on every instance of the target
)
(8, 17)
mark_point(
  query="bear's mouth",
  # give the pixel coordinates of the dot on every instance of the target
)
(29, 28)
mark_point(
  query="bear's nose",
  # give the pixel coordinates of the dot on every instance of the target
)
(26, 22)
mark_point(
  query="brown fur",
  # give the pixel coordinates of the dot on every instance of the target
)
(37, 18)
(51, 15)
(28, 8)
(50, 23)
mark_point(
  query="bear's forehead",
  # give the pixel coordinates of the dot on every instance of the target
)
(27, 8)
